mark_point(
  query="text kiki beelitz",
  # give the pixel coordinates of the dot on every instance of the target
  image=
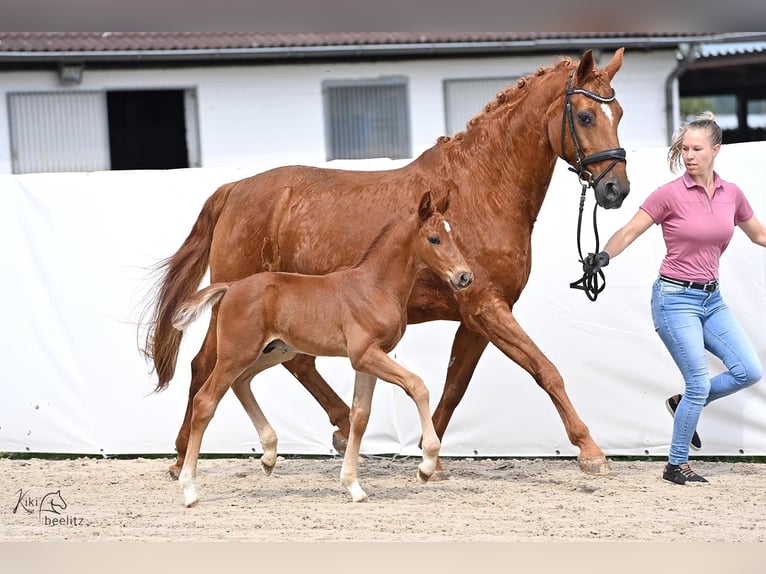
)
(49, 508)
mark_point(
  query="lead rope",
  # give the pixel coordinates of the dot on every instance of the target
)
(591, 283)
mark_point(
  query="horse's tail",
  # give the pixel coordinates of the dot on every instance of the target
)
(193, 307)
(180, 276)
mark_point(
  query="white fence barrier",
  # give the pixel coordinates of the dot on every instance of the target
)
(77, 252)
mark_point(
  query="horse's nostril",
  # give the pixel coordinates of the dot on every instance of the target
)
(466, 279)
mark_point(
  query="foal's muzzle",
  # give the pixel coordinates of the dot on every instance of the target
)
(462, 281)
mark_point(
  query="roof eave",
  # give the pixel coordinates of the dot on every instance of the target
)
(345, 51)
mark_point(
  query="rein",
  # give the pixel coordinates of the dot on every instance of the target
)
(592, 284)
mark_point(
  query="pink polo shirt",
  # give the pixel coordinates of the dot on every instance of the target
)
(696, 229)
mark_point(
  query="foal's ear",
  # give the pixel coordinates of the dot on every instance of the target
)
(444, 204)
(585, 67)
(426, 208)
(614, 65)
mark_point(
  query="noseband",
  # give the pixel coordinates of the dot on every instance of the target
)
(591, 284)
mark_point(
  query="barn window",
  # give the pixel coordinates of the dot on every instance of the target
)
(367, 118)
(742, 116)
(464, 99)
(81, 131)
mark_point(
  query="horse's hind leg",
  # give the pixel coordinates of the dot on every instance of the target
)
(303, 368)
(364, 385)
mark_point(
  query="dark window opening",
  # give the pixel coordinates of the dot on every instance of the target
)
(734, 89)
(147, 129)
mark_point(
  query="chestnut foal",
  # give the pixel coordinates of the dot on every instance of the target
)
(358, 312)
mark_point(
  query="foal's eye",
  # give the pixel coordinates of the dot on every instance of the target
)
(434, 240)
(585, 118)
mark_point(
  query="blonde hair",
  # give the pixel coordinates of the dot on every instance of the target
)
(702, 121)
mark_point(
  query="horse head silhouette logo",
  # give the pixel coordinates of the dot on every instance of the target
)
(52, 502)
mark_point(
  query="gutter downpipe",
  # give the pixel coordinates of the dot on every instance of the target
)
(687, 54)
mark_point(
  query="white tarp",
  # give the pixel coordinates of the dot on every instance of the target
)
(78, 248)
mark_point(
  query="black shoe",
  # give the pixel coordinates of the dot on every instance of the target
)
(672, 404)
(681, 474)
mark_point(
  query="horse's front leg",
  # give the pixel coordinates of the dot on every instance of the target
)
(494, 320)
(364, 385)
(467, 349)
(303, 368)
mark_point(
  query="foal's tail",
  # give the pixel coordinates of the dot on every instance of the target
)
(193, 307)
(180, 277)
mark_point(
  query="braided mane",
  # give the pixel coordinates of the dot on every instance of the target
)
(510, 97)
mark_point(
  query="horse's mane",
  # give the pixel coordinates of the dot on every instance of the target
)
(510, 97)
(375, 242)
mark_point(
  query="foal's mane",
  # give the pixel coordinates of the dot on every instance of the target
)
(509, 97)
(378, 239)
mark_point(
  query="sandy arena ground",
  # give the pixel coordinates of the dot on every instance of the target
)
(508, 500)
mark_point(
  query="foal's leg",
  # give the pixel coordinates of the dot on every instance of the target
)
(378, 363)
(364, 385)
(497, 323)
(244, 393)
(303, 368)
(266, 433)
(204, 405)
(201, 367)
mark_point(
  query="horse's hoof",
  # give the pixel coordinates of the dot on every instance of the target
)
(174, 470)
(266, 468)
(596, 466)
(439, 476)
(339, 442)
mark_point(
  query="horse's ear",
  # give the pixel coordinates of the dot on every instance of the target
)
(614, 64)
(585, 67)
(426, 208)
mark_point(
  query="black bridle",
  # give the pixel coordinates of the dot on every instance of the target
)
(592, 284)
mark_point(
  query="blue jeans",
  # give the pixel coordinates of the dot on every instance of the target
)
(689, 322)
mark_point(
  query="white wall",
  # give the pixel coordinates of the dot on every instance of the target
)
(77, 252)
(255, 114)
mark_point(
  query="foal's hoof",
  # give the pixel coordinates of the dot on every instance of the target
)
(597, 466)
(423, 477)
(339, 442)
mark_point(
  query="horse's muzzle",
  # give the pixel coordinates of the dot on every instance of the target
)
(611, 193)
(462, 281)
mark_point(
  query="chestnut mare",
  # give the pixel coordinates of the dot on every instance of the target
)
(360, 313)
(314, 221)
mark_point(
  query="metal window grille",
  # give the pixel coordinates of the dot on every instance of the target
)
(464, 99)
(367, 119)
(58, 131)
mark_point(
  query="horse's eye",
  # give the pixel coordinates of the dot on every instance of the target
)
(434, 240)
(585, 118)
